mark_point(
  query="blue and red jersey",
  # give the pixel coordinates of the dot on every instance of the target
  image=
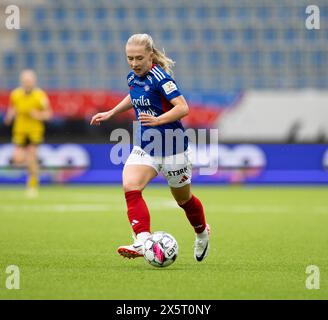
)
(151, 94)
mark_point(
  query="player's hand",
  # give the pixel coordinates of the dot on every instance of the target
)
(36, 115)
(101, 116)
(7, 121)
(148, 120)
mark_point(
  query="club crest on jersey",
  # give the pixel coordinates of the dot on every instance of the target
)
(150, 79)
(169, 87)
(142, 102)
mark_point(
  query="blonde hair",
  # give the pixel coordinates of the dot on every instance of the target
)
(159, 57)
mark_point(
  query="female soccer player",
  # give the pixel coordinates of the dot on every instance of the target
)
(29, 108)
(159, 106)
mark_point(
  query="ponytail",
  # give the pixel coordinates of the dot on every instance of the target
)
(163, 61)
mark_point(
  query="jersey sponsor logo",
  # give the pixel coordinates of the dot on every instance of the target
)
(175, 173)
(169, 87)
(150, 112)
(140, 83)
(142, 102)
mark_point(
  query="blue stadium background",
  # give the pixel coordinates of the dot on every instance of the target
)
(228, 44)
(223, 50)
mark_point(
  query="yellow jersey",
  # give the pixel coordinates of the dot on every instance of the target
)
(23, 104)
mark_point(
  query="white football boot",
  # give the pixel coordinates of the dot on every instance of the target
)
(136, 249)
(202, 244)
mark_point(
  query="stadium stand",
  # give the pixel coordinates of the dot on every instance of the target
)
(249, 44)
(222, 49)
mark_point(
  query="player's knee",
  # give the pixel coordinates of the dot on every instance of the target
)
(18, 159)
(33, 170)
(32, 163)
(182, 202)
(129, 186)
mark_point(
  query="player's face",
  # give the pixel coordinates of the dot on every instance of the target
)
(139, 60)
(28, 81)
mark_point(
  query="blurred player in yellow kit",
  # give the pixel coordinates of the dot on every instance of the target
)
(29, 108)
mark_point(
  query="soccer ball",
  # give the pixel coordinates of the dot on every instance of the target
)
(161, 249)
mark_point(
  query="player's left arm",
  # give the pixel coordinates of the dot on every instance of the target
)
(180, 109)
(10, 116)
(170, 91)
(45, 113)
(11, 113)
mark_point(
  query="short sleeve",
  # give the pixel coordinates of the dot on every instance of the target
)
(44, 100)
(169, 88)
(12, 99)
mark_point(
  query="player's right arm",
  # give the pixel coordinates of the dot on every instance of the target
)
(10, 115)
(11, 112)
(123, 106)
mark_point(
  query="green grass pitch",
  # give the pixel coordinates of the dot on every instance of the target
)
(263, 239)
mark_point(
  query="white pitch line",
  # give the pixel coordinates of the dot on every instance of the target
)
(81, 198)
(77, 207)
(55, 208)
(247, 209)
(320, 210)
(163, 204)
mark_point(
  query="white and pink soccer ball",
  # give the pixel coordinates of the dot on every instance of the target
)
(161, 249)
